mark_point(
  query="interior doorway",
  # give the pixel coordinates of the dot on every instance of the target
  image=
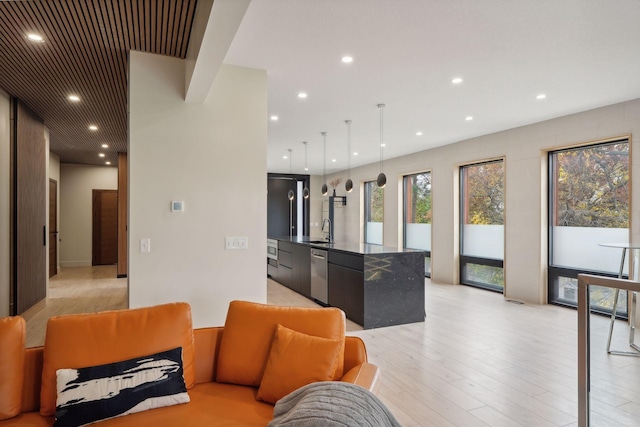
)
(53, 227)
(105, 227)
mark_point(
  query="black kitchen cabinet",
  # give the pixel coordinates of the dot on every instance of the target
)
(346, 284)
(376, 286)
(295, 262)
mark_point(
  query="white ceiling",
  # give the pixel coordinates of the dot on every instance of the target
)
(581, 53)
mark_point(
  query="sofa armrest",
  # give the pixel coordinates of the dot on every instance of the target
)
(366, 375)
(355, 352)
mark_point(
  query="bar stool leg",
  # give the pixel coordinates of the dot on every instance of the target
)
(613, 318)
(632, 318)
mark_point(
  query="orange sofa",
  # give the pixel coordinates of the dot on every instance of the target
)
(222, 366)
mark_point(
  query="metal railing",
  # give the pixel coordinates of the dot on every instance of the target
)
(584, 382)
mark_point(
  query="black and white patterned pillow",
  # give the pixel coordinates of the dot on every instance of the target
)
(97, 393)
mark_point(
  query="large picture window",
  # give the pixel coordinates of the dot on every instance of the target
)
(373, 213)
(417, 215)
(482, 225)
(588, 205)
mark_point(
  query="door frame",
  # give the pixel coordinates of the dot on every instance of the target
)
(53, 229)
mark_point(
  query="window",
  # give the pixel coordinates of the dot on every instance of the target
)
(417, 215)
(482, 225)
(588, 205)
(373, 212)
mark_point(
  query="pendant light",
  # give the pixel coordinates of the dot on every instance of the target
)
(348, 185)
(305, 191)
(291, 195)
(382, 178)
(325, 190)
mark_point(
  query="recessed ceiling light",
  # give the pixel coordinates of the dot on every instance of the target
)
(274, 118)
(73, 98)
(383, 145)
(468, 118)
(105, 146)
(456, 81)
(347, 59)
(93, 127)
(418, 133)
(101, 154)
(333, 160)
(285, 157)
(355, 153)
(107, 163)
(306, 169)
(302, 95)
(35, 37)
(541, 96)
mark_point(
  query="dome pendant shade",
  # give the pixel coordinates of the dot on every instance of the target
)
(348, 185)
(305, 191)
(382, 180)
(291, 194)
(325, 189)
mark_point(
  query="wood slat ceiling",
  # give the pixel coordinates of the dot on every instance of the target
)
(84, 52)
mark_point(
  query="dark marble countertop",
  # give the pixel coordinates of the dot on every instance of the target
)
(357, 248)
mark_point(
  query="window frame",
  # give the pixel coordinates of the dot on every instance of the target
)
(554, 273)
(367, 210)
(466, 260)
(405, 213)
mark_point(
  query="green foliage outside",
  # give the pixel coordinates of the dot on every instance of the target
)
(485, 274)
(376, 202)
(484, 194)
(592, 186)
(418, 191)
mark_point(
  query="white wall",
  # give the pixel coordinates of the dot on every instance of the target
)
(211, 155)
(524, 150)
(76, 186)
(5, 203)
(53, 173)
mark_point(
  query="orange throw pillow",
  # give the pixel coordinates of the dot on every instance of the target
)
(295, 360)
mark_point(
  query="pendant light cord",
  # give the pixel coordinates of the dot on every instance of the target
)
(348, 122)
(305, 156)
(324, 157)
(381, 107)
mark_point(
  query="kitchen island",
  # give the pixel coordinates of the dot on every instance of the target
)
(374, 285)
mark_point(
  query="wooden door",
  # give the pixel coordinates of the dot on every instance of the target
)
(29, 209)
(105, 227)
(53, 227)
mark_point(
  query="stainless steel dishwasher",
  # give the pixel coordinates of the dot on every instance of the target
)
(319, 288)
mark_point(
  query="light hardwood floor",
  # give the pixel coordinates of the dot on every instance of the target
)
(76, 290)
(477, 360)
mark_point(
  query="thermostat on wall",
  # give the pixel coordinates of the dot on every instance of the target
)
(177, 206)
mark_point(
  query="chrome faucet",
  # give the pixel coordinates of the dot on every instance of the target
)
(329, 236)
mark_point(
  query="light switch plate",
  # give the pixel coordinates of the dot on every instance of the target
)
(236, 243)
(145, 245)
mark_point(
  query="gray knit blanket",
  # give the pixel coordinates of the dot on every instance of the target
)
(331, 404)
